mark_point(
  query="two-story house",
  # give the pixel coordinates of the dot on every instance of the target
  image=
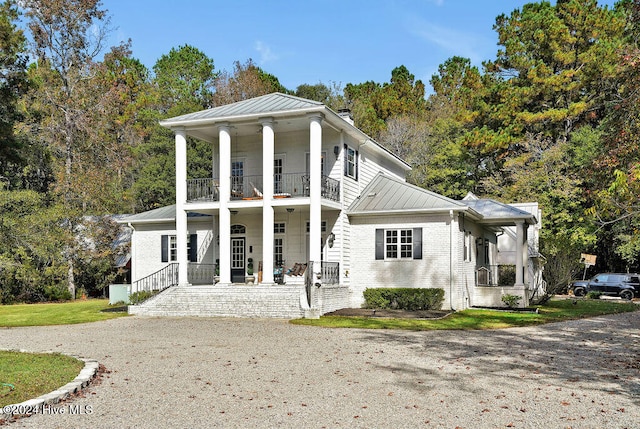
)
(302, 212)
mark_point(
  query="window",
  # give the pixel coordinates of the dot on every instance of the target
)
(350, 162)
(237, 177)
(278, 251)
(277, 175)
(237, 229)
(399, 243)
(278, 228)
(169, 248)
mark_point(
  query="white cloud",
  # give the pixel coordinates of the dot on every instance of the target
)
(266, 55)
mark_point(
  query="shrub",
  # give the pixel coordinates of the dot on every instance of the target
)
(594, 294)
(511, 301)
(411, 299)
(140, 296)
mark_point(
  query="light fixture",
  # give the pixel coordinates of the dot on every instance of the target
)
(336, 151)
(290, 209)
(331, 239)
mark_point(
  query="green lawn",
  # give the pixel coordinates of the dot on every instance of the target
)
(553, 311)
(25, 376)
(66, 313)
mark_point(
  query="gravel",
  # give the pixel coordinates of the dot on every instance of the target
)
(258, 373)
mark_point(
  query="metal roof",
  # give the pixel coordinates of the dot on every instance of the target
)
(161, 214)
(492, 210)
(385, 194)
(263, 105)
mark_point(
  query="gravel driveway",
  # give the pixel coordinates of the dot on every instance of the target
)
(258, 373)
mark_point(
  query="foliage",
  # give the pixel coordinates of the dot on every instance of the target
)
(553, 311)
(404, 298)
(247, 81)
(35, 374)
(141, 296)
(12, 82)
(511, 301)
(330, 96)
(593, 294)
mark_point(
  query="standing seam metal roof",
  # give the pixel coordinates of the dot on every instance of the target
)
(388, 194)
(270, 103)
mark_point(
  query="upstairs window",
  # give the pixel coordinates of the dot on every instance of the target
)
(350, 162)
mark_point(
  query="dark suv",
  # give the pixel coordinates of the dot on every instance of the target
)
(624, 285)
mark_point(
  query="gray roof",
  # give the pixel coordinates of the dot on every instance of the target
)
(161, 214)
(492, 210)
(266, 104)
(385, 194)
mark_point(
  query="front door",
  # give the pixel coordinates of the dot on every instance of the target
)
(237, 260)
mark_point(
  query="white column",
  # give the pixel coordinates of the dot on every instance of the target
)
(268, 147)
(520, 243)
(225, 195)
(181, 199)
(315, 206)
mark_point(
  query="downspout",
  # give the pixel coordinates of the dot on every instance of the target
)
(131, 248)
(451, 260)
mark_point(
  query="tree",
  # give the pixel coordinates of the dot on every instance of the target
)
(247, 81)
(329, 96)
(372, 104)
(13, 84)
(554, 73)
(183, 82)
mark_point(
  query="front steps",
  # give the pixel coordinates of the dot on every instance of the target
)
(276, 301)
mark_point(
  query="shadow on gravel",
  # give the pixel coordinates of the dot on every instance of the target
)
(602, 354)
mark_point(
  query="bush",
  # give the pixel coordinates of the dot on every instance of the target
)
(140, 296)
(411, 299)
(511, 301)
(593, 294)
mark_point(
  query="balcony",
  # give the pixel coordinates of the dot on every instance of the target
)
(288, 185)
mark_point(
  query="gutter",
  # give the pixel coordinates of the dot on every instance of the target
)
(451, 260)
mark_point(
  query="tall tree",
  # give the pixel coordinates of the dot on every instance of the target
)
(554, 72)
(13, 84)
(183, 83)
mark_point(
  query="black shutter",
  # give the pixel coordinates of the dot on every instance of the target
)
(346, 162)
(165, 248)
(193, 250)
(417, 243)
(379, 243)
(356, 166)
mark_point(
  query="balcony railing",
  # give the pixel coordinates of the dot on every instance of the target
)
(330, 273)
(201, 274)
(286, 185)
(203, 190)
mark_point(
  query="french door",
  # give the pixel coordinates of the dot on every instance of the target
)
(237, 259)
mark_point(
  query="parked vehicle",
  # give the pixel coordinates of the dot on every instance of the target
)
(624, 285)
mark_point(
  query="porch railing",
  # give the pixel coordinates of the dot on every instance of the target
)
(201, 274)
(203, 190)
(251, 187)
(496, 275)
(330, 273)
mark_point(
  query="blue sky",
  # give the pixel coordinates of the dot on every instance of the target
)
(301, 41)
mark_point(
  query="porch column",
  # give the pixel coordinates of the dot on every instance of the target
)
(315, 191)
(268, 145)
(224, 216)
(520, 246)
(181, 199)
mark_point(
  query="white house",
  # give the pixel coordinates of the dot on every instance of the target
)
(320, 212)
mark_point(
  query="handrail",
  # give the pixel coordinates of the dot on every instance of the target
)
(158, 281)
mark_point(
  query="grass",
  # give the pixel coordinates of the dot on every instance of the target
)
(66, 313)
(34, 374)
(553, 311)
